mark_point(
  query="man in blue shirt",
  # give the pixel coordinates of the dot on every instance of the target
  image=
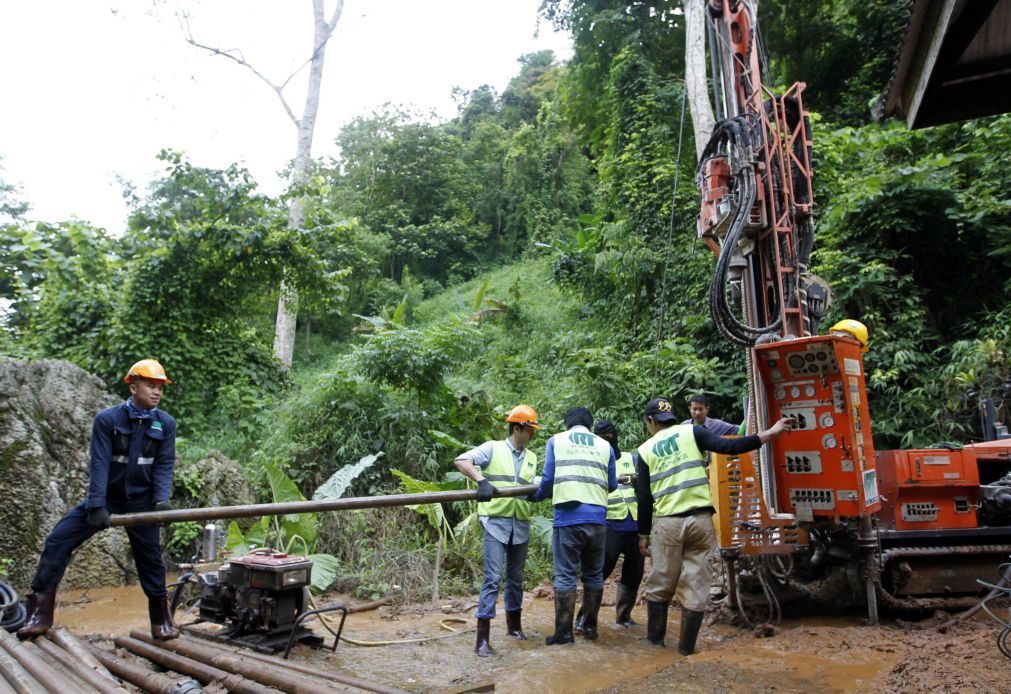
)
(578, 475)
(133, 451)
(699, 407)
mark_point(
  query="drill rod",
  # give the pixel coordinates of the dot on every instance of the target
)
(295, 507)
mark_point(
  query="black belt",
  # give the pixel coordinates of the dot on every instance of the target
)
(693, 512)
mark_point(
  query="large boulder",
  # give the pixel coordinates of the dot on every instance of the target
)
(46, 411)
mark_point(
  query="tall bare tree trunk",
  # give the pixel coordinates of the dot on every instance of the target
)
(695, 73)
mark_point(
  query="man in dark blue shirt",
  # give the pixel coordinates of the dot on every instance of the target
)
(133, 451)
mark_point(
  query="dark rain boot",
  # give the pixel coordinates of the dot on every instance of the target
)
(656, 622)
(514, 625)
(624, 605)
(162, 628)
(565, 605)
(482, 647)
(691, 622)
(40, 614)
(577, 626)
(591, 607)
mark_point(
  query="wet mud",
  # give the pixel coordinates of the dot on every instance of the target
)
(823, 654)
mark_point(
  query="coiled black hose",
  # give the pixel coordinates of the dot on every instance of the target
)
(12, 612)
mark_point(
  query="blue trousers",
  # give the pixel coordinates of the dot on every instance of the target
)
(513, 558)
(624, 543)
(72, 531)
(578, 551)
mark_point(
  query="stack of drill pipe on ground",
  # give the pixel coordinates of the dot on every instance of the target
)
(68, 642)
(15, 675)
(42, 672)
(135, 674)
(198, 669)
(327, 676)
(286, 680)
(5, 688)
(74, 683)
(81, 670)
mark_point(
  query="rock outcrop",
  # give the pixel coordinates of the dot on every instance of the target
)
(46, 410)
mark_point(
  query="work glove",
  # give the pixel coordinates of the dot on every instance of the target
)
(486, 490)
(162, 506)
(98, 517)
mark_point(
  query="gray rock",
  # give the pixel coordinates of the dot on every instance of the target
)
(46, 411)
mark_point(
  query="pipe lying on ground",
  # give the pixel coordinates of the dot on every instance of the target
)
(295, 507)
(40, 670)
(73, 682)
(138, 675)
(271, 677)
(206, 674)
(82, 670)
(5, 687)
(70, 643)
(325, 675)
(14, 673)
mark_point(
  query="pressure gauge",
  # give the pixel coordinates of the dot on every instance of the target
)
(828, 441)
(809, 391)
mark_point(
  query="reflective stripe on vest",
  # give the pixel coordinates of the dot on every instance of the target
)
(581, 460)
(677, 471)
(622, 501)
(501, 472)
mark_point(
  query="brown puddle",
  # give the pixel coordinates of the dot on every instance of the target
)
(821, 654)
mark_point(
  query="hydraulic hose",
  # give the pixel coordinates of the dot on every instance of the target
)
(12, 612)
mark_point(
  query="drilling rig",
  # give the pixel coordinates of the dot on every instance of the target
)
(818, 514)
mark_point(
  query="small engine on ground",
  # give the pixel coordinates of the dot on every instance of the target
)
(260, 596)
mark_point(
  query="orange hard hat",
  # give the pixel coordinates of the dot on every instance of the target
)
(525, 415)
(147, 368)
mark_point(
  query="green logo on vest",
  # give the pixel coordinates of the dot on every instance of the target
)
(156, 424)
(666, 447)
(580, 438)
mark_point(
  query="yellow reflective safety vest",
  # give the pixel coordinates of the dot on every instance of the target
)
(677, 471)
(581, 460)
(622, 501)
(501, 472)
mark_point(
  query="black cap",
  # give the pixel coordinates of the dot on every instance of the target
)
(660, 410)
(604, 426)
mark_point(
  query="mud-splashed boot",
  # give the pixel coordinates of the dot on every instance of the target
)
(577, 626)
(514, 625)
(565, 606)
(691, 622)
(591, 605)
(160, 612)
(40, 614)
(482, 647)
(656, 622)
(623, 606)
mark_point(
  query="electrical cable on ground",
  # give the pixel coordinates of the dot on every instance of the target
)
(444, 623)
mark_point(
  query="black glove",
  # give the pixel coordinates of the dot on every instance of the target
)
(486, 490)
(98, 517)
(162, 506)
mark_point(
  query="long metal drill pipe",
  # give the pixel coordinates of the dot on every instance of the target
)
(199, 670)
(48, 677)
(67, 641)
(73, 683)
(294, 507)
(79, 668)
(134, 673)
(14, 673)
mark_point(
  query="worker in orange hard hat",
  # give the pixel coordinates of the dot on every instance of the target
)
(851, 328)
(133, 452)
(506, 520)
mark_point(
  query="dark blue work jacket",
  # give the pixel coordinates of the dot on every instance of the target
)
(131, 459)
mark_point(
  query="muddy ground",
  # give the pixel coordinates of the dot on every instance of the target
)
(814, 653)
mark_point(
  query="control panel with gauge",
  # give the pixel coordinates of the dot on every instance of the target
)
(826, 465)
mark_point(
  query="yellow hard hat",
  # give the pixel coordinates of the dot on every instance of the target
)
(854, 328)
(525, 415)
(147, 368)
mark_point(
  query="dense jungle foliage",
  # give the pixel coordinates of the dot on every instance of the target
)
(539, 247)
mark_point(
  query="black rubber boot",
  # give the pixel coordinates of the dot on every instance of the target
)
(160, 612)
(624, 605)
(482, 647)
(565, 606)
(514, 625)
(591, 605)
(577, 626)
(691, 622)
(40, 614)
(656, 622)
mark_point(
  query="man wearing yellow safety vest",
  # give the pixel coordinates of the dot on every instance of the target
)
(506, 520)
(578, 475)
(675, 515)
(622, 536)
